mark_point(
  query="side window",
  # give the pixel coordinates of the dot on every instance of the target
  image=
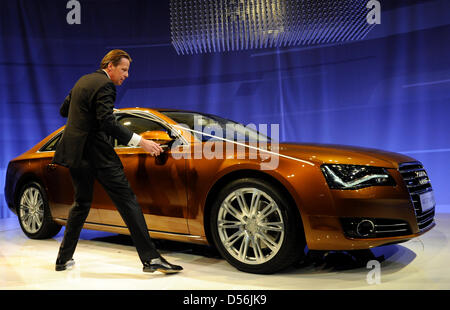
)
(138, 125)
(52, 144)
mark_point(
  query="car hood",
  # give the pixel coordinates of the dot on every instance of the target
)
(343, 154)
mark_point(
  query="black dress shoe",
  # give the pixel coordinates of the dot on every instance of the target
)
(161, 265)
(60, 266)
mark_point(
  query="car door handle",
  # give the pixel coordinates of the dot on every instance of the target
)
(51, 167)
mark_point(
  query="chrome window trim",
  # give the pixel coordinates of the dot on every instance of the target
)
(50, 141)
(137, 113)
(154, 118)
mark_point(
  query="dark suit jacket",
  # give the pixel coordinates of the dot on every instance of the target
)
(90, 125)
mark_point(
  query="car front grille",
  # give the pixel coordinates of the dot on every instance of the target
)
(417, 181)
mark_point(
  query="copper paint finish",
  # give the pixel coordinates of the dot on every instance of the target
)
(173, 193)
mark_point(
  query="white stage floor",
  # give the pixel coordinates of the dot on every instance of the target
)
(106, 261)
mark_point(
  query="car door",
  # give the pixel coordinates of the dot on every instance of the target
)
(58, 184)
(159, 183)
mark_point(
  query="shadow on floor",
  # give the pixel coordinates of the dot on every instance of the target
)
(392, 257)
(165, 246)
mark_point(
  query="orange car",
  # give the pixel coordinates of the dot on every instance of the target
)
(327, 197)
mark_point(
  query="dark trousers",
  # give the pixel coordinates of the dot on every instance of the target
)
(116, 185)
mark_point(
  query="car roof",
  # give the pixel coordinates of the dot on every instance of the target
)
(161, 110)
(151, 109)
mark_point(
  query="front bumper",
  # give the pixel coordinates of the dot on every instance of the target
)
(375, 216)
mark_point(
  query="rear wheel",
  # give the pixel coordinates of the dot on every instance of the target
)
(34, 213)
(255, 228)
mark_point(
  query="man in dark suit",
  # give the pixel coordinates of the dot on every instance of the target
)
(86, 149)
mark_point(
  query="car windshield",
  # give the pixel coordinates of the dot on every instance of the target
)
(207, 127)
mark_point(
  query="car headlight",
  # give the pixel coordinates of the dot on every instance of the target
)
(355, 176)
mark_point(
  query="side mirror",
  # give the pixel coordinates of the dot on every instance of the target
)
(159, 136)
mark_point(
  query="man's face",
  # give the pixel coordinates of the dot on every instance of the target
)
(118, 73)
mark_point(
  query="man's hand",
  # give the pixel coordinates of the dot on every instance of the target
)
(151, 147)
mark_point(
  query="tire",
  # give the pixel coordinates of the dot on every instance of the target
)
(34, 214)
(255, 228)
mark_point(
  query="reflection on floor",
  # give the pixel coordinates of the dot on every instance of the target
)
(107, 261)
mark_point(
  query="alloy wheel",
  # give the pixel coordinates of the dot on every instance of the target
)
(250, 226)
(31, 210)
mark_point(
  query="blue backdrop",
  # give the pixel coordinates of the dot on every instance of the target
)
(389, 91)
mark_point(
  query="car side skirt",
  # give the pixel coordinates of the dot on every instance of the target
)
(153, 234)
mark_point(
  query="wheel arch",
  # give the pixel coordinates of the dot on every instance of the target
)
(47, 228)
(241, 174)
(24, 179)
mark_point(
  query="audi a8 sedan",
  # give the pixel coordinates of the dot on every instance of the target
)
(258, 201)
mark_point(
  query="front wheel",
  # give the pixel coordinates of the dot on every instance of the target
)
(34, 213)
(255, 228)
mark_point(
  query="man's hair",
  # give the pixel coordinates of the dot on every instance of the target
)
(114, 57)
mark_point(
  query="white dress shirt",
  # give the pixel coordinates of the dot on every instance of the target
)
(135, 139)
